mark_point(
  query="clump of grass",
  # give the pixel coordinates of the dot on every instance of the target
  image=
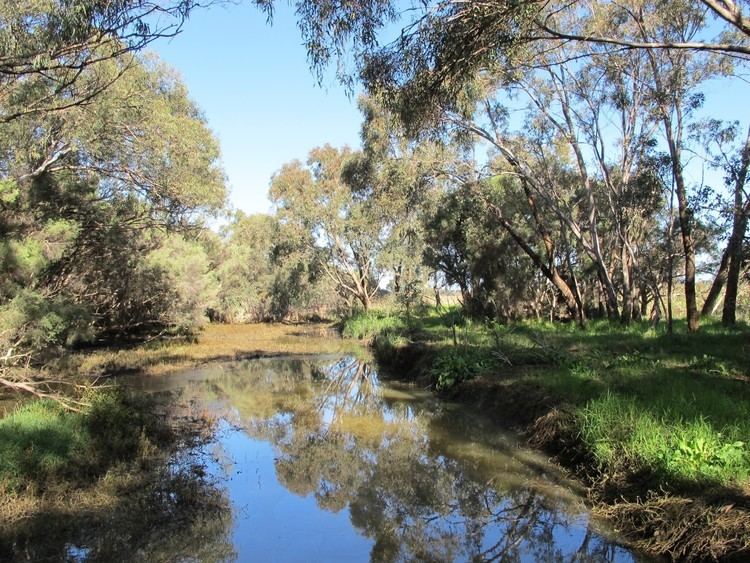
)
(367, 325)
(37, 441)
(42, 443)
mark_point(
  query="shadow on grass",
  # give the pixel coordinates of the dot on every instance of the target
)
(116, 482)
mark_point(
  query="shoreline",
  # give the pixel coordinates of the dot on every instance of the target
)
(678, 524)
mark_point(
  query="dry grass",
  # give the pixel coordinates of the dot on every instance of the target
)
(214, 342)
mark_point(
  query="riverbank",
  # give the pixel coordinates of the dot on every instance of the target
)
(119, 472)
(212, 343)
(655, 425)
(116, 477)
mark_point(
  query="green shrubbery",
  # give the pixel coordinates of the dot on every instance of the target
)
(454, 365)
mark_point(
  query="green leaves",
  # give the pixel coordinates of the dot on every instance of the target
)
(454, 365)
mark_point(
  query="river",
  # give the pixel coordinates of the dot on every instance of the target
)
(321, 459)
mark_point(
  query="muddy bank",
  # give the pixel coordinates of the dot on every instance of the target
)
(680, 522)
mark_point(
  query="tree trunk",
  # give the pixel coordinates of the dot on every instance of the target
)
(685, 215)
(734, 247)
(729, 312)
(712, 300)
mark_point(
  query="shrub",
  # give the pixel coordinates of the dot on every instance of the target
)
(454, 365)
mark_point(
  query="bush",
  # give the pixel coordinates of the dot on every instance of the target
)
(454, 365)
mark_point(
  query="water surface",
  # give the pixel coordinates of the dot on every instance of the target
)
(322, 460)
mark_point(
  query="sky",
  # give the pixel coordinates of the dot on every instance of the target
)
(253, 83)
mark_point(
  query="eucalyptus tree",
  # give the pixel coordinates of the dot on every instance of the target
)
(447, 47)
(734, 159)
(245, 273)
(344, 223)
(403, 179)
(465, 243)
(54, 55)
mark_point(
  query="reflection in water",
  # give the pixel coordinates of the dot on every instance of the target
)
(395, 475)
(171, 513)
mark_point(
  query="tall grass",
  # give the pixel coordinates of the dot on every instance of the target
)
(366, 325)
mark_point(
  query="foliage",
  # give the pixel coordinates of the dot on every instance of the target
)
(319, 205)
(452, 366)
(98, 202)
(56, 46)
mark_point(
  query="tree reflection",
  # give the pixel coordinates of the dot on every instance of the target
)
(339, 440)
(170, 513)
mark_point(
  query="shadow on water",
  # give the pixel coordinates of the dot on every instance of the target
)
(323, 461)
(170, 513)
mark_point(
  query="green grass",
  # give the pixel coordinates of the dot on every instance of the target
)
(38, 440)
(363, 326)
(676, 406)
(41, 443)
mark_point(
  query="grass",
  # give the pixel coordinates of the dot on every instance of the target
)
(674, 406)
(43, 444)
(114, 479)
(215, 342)
(364, 326)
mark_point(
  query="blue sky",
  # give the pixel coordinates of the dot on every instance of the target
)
(253, 83)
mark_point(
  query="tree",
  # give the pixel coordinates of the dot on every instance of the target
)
(245, 272)
(447, 48)
(735, 164)
(453, 40)
(88, 196)
(472, 251)
(316, 200)
(55, 54)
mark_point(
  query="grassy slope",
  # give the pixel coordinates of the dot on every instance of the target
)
(677, 406)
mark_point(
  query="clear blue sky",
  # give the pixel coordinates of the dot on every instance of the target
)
(253, 83)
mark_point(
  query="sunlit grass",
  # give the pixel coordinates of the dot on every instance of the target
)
(213, 342)
(676, 405)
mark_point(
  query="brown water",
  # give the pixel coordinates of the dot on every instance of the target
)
(322, 460)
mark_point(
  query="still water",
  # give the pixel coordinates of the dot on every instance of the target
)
(320, 459)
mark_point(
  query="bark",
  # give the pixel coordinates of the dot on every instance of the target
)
(734, 247)
(729, 312)
(712, 299)
(685, 215)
